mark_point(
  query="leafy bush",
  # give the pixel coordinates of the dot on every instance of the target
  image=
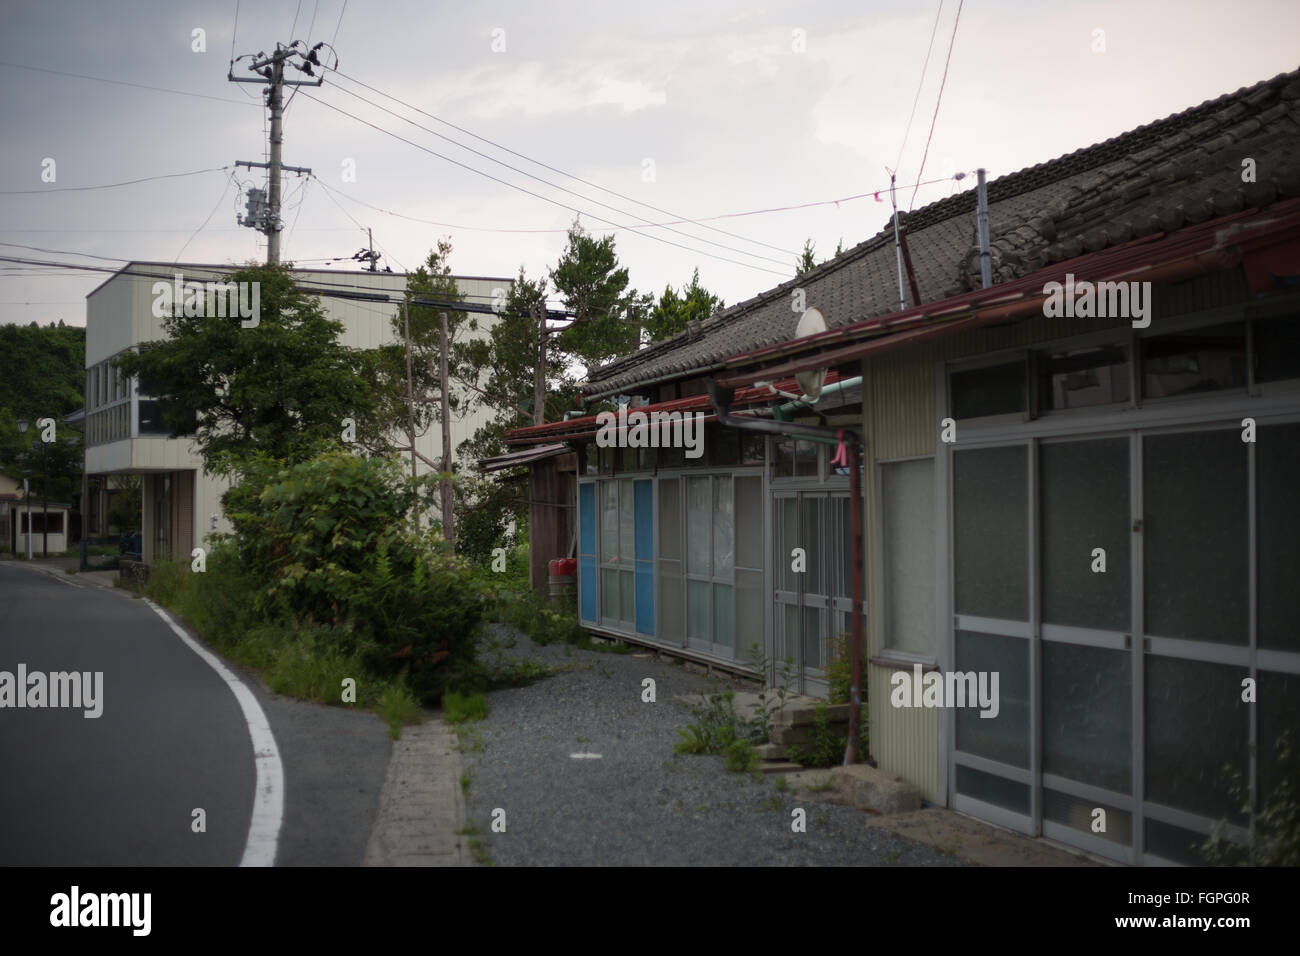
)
(839, 672)
(1277, 824)
(719, 730)
(826, 748)
(332, 544)
(532, 613)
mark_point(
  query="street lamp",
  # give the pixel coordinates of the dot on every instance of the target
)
(45, 501)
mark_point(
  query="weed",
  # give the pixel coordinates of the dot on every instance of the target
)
(823, 785)
(479, 851)
(892, 856)
(469, 829)
(465, 780)
(774, 802)
(826, 748)
(460, 708)
(781, 784)
(469, 741)
(398, 708)
(740, 756)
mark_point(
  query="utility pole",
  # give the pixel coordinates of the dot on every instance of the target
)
(982, 226)
(371, 234)
(264, 215)
(539, 373)
(448, 516)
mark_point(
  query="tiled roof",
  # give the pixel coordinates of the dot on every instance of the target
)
(1174, 172)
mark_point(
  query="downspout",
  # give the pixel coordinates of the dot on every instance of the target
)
(850, 443)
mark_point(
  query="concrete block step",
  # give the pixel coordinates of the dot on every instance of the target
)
(779, 766)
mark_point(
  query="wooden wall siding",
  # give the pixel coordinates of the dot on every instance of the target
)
(552, 490)
(900, 420)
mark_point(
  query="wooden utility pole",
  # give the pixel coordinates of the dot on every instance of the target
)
(539, 373)
(448, 517)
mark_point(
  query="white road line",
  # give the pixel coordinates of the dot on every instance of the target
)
(268, 799)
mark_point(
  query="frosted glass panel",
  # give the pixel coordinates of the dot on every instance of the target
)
(787, 516)
(790, 630)
(1087, 715)
(699, 519)
(812, 637)
(1277, 472)
(907, 490)
(990, 518)
(669, 617)
(1085, 505)
(749, 610)
(993, 789)
(670, 519)
(1196, 723)
(609, 594)
(1279, 714)
(749, 522)
(1076, 813)
(810, 539)
(626, 521)
(724, 624)
(723, 528)
(697, 610)
(608, 521)
(1195, 536)
(627, 589)
(1004, 738)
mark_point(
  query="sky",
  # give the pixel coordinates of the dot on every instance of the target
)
(645, 113)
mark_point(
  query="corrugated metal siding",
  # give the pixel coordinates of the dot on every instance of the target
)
(904, 740)
(900, 421)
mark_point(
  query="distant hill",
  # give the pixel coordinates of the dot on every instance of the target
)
(42, 373)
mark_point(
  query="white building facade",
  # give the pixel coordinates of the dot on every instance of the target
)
(124, 430)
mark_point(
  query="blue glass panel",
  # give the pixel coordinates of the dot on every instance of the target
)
(644, 521)
(587, 587)
(587, 519)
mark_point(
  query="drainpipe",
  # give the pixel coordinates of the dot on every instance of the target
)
(804, 400)
(982, 222)
(852, 443)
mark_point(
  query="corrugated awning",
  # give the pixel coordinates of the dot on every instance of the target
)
(516, 458)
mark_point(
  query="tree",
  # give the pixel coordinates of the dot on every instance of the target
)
(806, 261)
(283, 388)
(670, 315)
(595, 290)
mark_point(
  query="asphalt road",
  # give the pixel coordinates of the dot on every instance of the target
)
(120, 789)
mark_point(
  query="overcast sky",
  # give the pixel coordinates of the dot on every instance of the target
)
(700, 108)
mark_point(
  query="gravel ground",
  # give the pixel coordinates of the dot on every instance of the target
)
(639, 804)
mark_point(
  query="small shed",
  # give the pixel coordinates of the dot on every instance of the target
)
(552, 531)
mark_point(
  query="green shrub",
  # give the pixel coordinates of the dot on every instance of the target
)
(839, 672)
(332, 544)
(826, 748)
(460, 708)
(1277, 824)
(398, 708)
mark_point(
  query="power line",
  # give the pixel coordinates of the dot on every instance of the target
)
(730, 215)
(293, 26)
(919, 84)
(939, 99)
(141, 86)
(339, 24)
(129, 182)
(547, 182)
(553, 169)
(224, 189)
(523, 189)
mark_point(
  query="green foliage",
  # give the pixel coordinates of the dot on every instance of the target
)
(807, 262)
(1277, 824)
(532, 613)
(595, 289)
(839, 672)
(330, 543)
(770, 700)
(124, 509)
(673, 310)
(719, 730)
(399, 708)
(460, 708)
(826, 748)
(281, 389)
(42, 373)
